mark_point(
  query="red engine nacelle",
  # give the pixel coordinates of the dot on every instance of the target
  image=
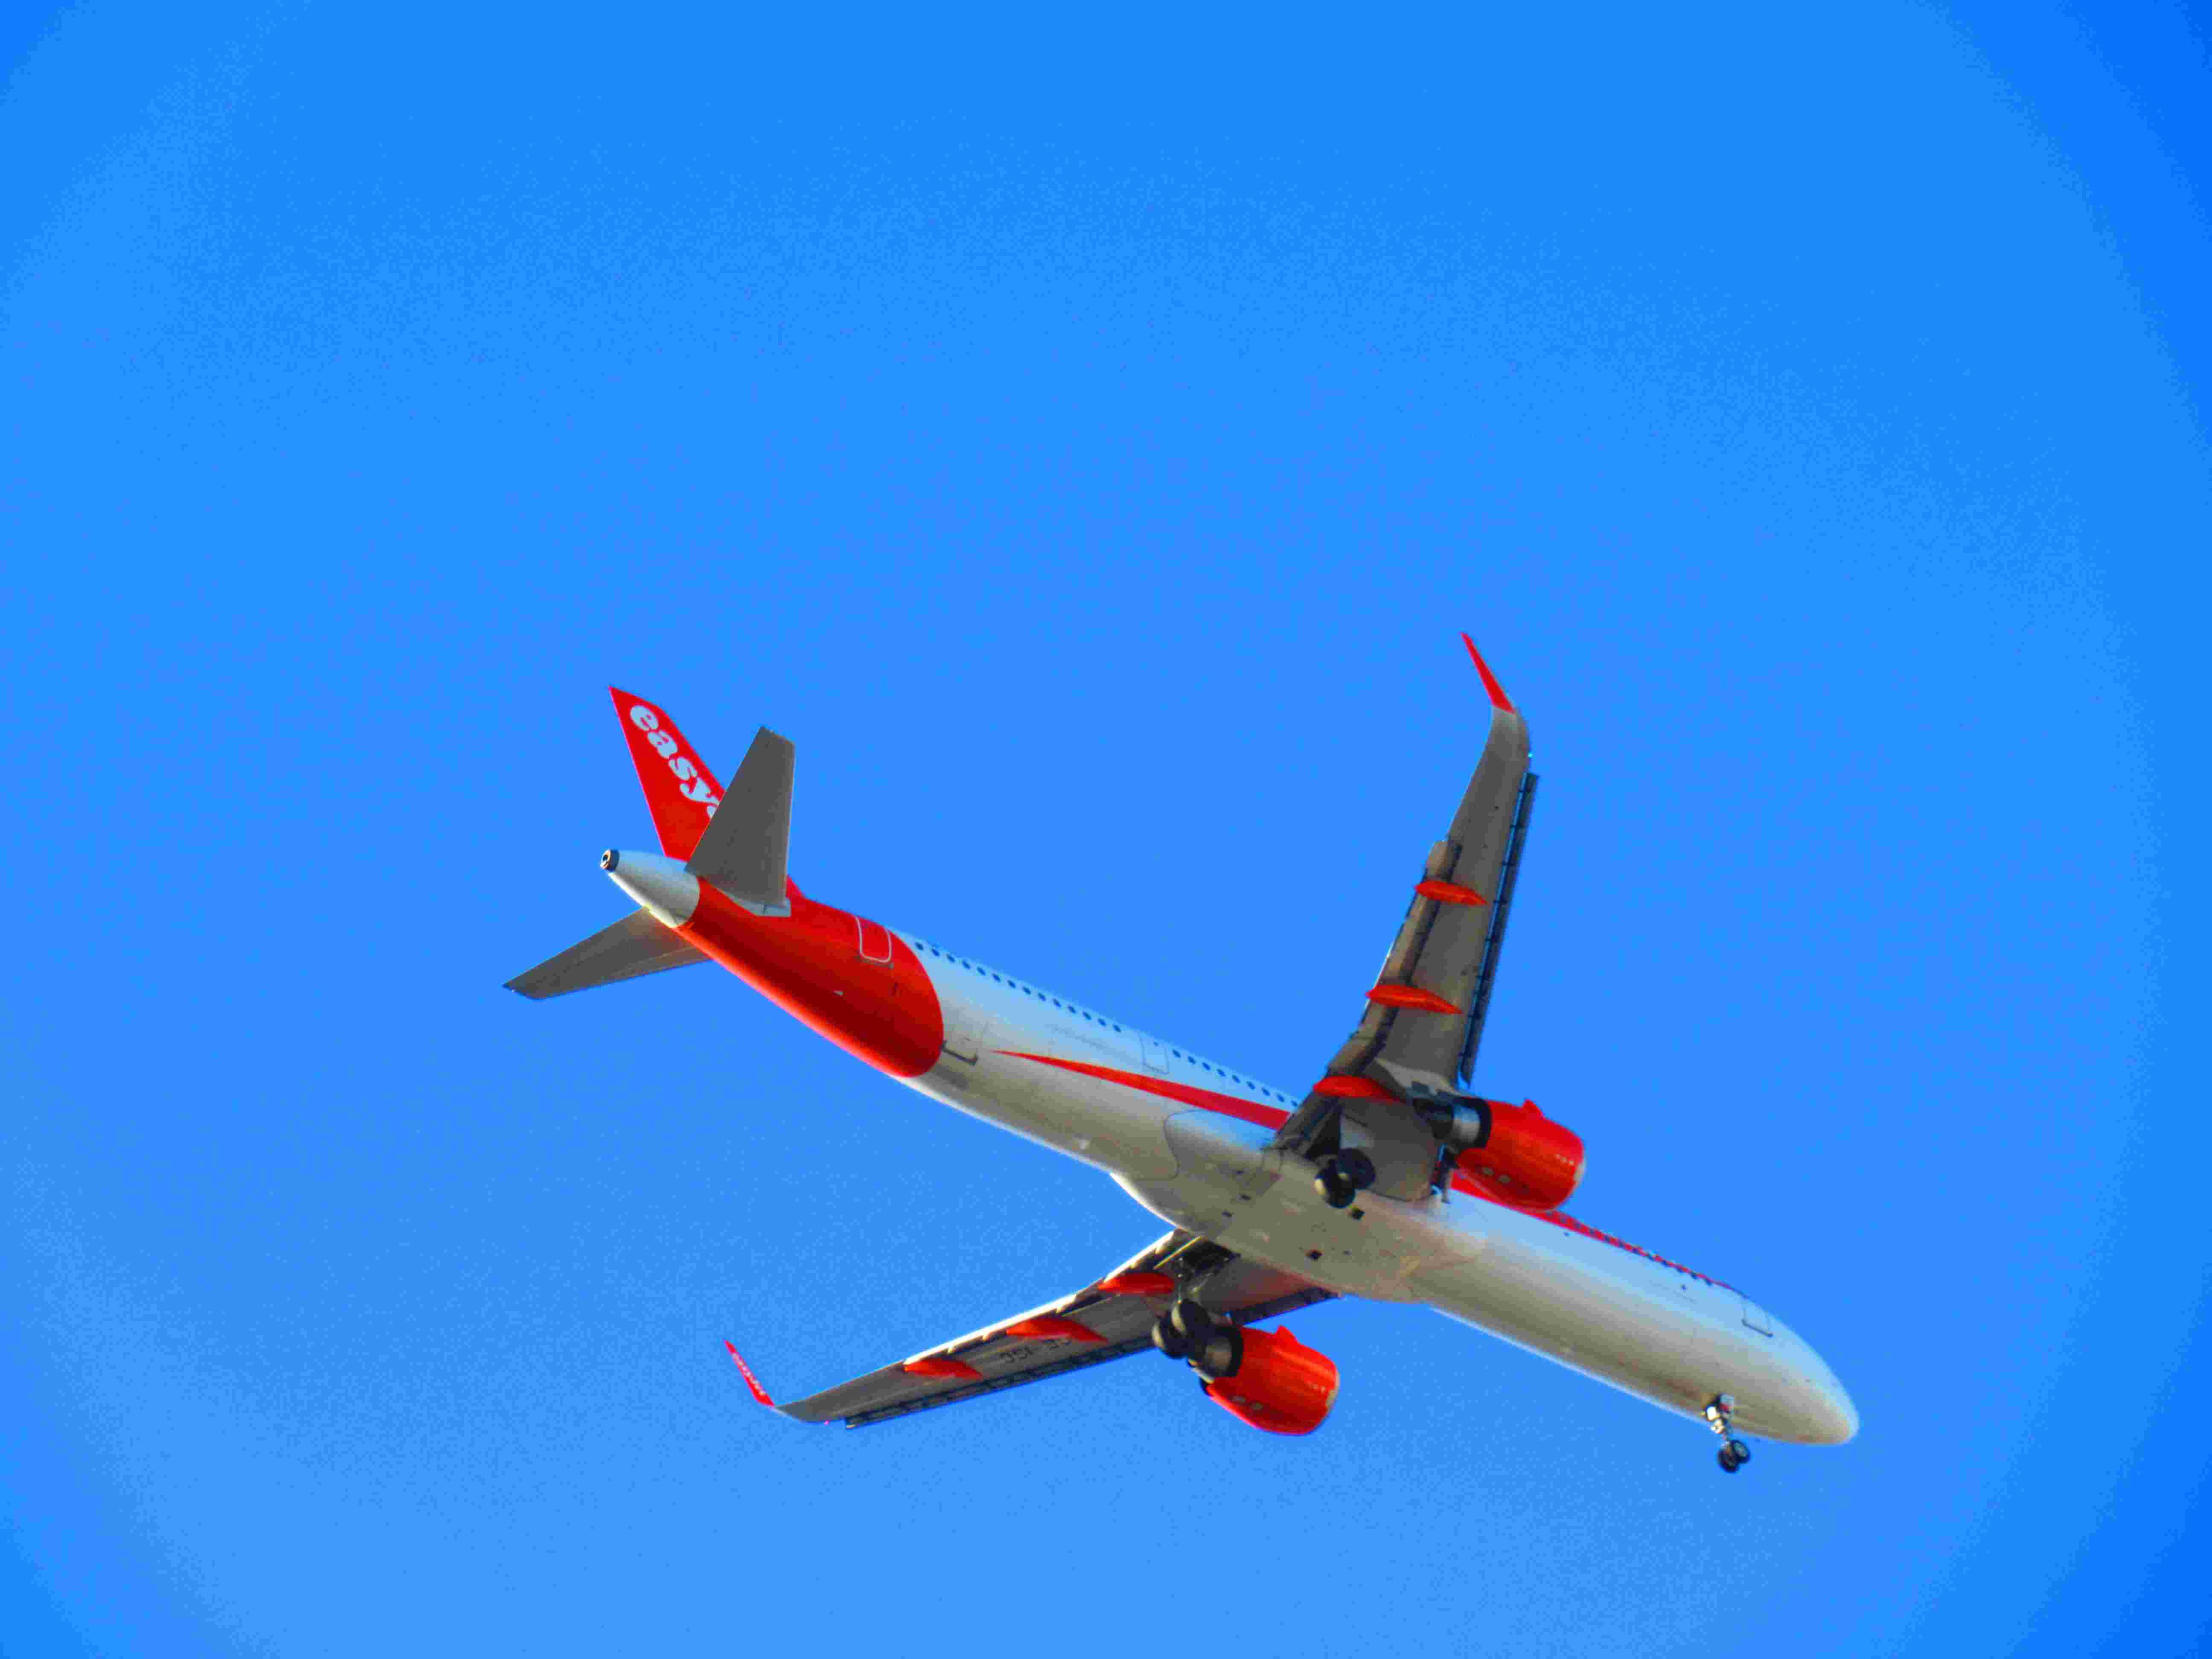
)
(1528, 1160)
(1280, 1384)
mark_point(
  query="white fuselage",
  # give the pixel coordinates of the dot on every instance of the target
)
(1190, 1140)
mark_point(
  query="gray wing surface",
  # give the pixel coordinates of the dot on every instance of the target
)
(1228, 1284)
(636, 945)
(1423, 1019)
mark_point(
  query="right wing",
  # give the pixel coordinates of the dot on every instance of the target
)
(1425, 1014)
(1109, 1320)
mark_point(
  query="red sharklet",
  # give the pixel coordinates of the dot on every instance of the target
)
(746, 1372)
(1411, 997)
(680, 790)
(1352, 1088)
(1497, 696)
(1051, 1327)
(1138, 1285)
(810, 964)
(1448, 892)
(938, 1364)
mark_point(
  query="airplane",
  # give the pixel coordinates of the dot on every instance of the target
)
(1384, 1179)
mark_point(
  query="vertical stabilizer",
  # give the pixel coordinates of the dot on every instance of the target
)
(680, 792)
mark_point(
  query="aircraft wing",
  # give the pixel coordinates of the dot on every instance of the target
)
(1109, 1320)
(1423, 1018)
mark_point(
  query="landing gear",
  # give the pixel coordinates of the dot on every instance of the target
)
(1172, 1331)
(1720, 1418)
(1187, 1331)
(1343, 1177)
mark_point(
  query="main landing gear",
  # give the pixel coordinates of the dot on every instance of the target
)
(1343, 1177)
(1720, 1419)
(1214, 1347)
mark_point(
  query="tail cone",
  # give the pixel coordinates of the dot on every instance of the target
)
(658, 884)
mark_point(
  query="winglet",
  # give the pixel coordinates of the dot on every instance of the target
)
(1489, 680)
(746, 1372)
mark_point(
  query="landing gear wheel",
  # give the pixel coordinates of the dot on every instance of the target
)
(1344, 1177)
(1191, 1321)
(1720, 1417)
(1170, 1340)
(1214, 1348)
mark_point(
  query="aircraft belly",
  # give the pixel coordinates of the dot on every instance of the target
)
(1231, 1187)
(1661, 1335)
(1675, 1344)
(1096, 1122)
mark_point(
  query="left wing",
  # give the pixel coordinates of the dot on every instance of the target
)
(1109, 1320)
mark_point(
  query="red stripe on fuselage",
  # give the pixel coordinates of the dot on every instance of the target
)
(809, 964)
(1230, 1105)
(1273, 1118)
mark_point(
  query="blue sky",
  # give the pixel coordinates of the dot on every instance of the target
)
(1085, 438)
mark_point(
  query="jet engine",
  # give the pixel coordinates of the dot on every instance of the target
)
(1526, 1159)
(1280, 1384)
(1266, 1378)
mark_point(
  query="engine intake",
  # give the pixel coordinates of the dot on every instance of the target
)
(1459, 1121)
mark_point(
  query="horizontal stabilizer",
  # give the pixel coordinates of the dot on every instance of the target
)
(636, 945)
(743, 849)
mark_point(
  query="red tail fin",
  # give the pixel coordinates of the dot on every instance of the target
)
(681, 792)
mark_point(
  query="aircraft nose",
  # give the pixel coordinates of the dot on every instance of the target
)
(658, 885)
(1834, 1419)
(1838, 1416)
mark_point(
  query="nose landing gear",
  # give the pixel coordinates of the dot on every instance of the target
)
(1720, 1413)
